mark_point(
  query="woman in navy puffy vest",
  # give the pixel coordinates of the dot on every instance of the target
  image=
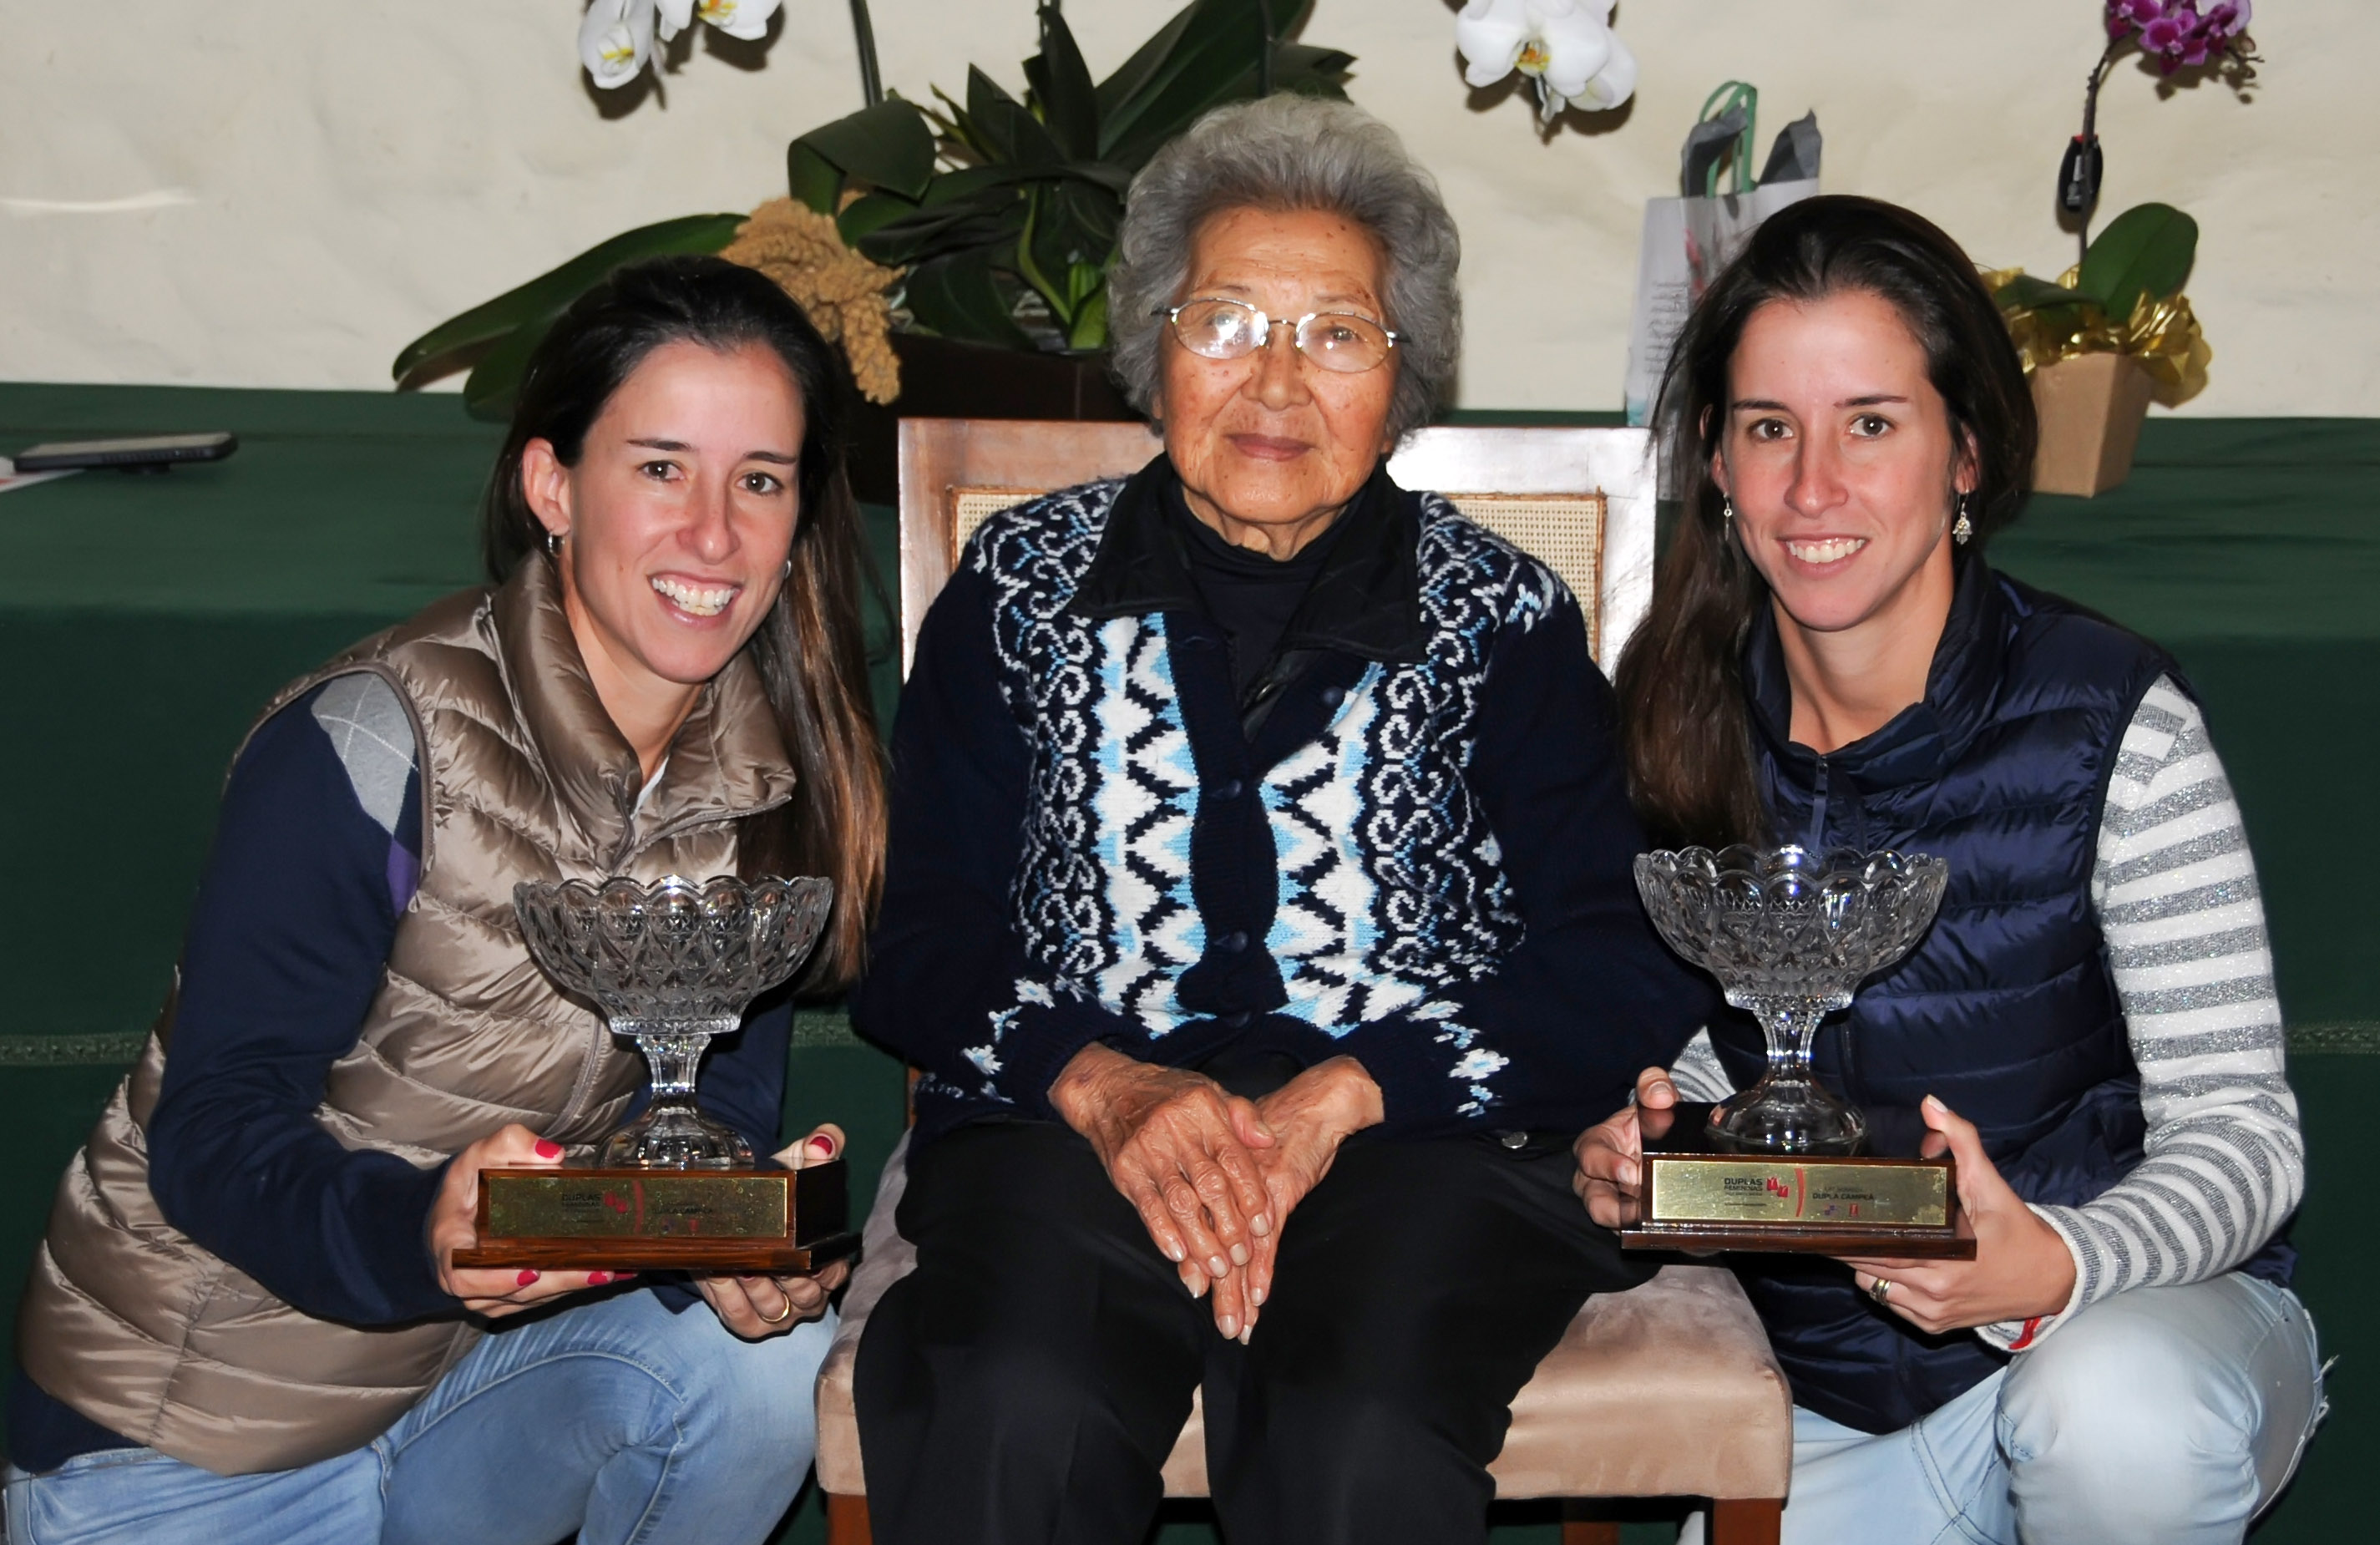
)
(2090, 1026)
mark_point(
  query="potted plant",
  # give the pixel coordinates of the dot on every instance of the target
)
(2115, 333)
(991, 220)
(2112, 333)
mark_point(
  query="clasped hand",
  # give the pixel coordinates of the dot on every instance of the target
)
(2021, 1268)
(754, 1307)
(1213, 1176)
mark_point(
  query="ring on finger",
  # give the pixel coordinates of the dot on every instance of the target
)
(786, 1314)
(1881, 1291)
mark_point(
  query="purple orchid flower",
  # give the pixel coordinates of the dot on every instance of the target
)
(2227, 21)
(2168, 34)
(2125, 16)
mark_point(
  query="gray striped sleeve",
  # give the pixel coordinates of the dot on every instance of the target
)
(1698, 1072)
(2174, 888)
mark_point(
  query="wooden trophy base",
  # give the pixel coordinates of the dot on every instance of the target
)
(1700, 1199)
(777, 1222)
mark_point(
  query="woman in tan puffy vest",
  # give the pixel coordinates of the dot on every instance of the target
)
(243, 1324)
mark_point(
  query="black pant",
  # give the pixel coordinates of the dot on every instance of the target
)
(1025, 1384)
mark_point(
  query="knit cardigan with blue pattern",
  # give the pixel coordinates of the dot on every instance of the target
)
(1412, 845)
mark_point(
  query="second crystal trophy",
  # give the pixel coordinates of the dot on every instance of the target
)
(671, 965)
(1785, 1164)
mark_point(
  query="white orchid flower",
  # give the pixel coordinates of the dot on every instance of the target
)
(615, 41)
(1615, 82)
(1566, 47)
(747, 19)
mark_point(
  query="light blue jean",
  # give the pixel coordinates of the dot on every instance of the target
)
(2167, 1416)
(616, 1419)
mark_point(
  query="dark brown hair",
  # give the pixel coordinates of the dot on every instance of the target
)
(809, 649)
(1687, 735)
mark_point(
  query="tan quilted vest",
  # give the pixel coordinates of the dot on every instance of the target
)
(524, 777)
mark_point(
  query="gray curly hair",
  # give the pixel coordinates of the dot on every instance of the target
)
(1293, 153)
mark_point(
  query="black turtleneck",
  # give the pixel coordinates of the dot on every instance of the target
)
(1251, 597)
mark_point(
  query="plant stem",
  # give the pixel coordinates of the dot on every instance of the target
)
(2090, 129)
(863, 32)
(1264, 48)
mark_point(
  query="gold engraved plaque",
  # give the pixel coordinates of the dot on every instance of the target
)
(633, 1220)
(1718, 1189)
(654, 1205)
(1697, 1197)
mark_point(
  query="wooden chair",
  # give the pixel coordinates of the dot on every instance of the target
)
(1668, 1390)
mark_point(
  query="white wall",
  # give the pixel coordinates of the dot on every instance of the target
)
(342, 177)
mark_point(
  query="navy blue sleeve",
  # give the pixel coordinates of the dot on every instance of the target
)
(1558, 1032)
(742, 1080)
(948, 986)
(287, 942)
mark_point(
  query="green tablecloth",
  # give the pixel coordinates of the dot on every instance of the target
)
(143, 619)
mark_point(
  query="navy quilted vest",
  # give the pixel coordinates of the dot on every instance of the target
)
(2007, 1008)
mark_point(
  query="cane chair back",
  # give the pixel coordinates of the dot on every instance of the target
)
(1579, 500)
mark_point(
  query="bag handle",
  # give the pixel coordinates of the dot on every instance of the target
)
(1732, 96)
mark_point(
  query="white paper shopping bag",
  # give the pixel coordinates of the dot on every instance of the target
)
(1687, 239)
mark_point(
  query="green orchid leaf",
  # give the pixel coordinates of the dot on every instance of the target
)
(972, 182)
(869, 213)
(1090, 328)
(495, 382)
(1032, 266)
(2030, 294)
(1210, 46)
(1114, 179)
(2146, 250)
(1062, 88)
(1133, 76)
(887, 146)
(812, 179)
(1094, 212)
(964, 136)
(1213, 61)
(960, 296)
(938, 230)
(544, 297)
(1013, 135)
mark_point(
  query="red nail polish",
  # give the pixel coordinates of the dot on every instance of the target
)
(824, 1143)
(596, 1279)
(524, 1279)
(548, 1149)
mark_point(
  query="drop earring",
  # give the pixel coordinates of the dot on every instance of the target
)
(1962, 528)
(1726, 511)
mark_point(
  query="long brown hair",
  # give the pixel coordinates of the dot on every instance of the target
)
(1687, 736)
(809, 650)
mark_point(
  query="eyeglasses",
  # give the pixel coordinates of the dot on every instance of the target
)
(1340, 341)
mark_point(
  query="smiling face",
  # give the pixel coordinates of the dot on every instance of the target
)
(674, 524)
(1270, 446)
(1840, 460)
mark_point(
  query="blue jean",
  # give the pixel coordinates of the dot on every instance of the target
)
(2165, 1414)
(616, 1419)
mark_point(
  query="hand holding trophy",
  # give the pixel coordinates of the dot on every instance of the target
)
(670, 965)
(1784, 1165)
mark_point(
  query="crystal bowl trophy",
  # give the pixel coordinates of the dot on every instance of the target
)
(671, 965)
(1785, 1164)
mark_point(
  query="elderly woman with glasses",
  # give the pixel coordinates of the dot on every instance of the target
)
(1258, 906)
